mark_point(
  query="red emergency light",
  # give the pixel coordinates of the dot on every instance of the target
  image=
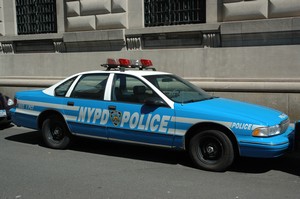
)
(146, 62)
(123, 63)
(112, 62)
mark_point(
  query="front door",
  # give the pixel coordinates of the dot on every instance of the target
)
(132, 120)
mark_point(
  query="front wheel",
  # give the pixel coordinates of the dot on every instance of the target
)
(55, 133)
(211, 150)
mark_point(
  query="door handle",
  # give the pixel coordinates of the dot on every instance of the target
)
(111, 107)
(70, 103)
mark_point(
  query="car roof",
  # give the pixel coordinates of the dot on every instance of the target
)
(134, 72)
(130, 72)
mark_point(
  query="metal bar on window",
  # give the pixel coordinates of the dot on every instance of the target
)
(174, 12)
(36, 16)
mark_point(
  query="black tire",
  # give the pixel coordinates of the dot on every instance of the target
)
(211, 150)
(55, 133)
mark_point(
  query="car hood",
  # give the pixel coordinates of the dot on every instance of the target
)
(222, 109)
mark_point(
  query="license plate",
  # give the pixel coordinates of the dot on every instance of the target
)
(2, 113)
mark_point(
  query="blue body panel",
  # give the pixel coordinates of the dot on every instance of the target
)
(141, 124)
(159, 126)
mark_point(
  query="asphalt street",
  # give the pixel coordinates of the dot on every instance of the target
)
(99, 169)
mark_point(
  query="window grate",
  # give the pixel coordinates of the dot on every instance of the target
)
(36, 16)
(174, 12)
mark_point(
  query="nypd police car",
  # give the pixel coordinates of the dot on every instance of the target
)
(154, 108)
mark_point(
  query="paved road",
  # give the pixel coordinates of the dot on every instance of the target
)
(97, 169)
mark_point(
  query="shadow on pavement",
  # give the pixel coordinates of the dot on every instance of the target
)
(5, 126)
(289, 163)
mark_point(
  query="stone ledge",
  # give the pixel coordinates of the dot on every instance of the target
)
(259, 26)
(179, 28)
(104, 35)
(208, 84)
(53, 36)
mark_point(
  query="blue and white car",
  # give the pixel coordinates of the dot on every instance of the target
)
(153, 108)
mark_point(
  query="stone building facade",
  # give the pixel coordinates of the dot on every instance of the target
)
(242, 49)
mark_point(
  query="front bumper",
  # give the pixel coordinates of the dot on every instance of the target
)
(297, 136)
(272, 146)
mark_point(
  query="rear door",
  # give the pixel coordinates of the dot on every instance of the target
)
(87, 114)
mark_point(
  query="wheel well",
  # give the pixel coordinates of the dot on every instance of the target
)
(46, 114)
(211, 126)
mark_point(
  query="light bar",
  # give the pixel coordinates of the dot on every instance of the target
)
(126, 63)
(135, 63)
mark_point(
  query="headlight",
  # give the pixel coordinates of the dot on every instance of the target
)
(10, 102)
(266, 131)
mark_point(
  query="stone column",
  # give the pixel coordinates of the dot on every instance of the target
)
(213, 11)
(61, 15)
(135, 14)
(9, 18)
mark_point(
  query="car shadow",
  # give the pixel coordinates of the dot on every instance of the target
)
(5, 126)
(289, 163)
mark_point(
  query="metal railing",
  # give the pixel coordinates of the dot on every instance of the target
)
(36, 16)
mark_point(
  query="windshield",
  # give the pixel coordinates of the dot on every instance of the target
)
(178, 89)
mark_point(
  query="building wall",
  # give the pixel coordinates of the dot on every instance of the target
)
(236, 10)
(83, 15)
(246, 50)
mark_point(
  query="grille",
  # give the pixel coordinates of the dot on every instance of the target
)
(36, 16)
(174, 12)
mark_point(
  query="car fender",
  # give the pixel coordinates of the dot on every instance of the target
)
(46, 114)
(201, 126)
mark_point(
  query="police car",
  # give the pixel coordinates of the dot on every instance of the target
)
(154, 108)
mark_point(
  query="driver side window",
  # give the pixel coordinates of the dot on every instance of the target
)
(130, 89)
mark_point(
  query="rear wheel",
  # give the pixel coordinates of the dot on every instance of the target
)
(211, 150)
(55, 133)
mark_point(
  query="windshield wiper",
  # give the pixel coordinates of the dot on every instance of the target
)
(199, 100)
(212, 97)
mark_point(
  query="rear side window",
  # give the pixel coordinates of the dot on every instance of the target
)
(90, 87)
(62, 89)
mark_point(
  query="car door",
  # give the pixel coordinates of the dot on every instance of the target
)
(88, 114)
(132, 120)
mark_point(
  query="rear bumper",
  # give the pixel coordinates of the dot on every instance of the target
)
(270, 147)
(25, 120)
(6, 119)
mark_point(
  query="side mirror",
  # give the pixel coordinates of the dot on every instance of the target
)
(155, 101)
